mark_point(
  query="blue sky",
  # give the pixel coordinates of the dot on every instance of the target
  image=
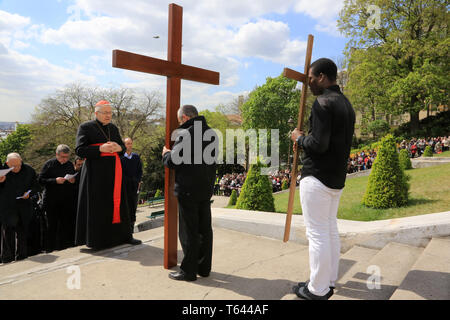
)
(48, 44)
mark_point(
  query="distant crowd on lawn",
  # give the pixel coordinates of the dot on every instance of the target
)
(234, 181)
(416, 147)
(361, 161)
(358, 161)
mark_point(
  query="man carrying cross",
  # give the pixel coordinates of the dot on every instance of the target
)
(327, 148)
(102, 217)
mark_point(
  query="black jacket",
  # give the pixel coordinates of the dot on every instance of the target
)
(194, 174)
(327, 145)
(15, 185)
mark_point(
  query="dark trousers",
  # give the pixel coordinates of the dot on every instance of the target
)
(61, 221)
(196, 235)
(132, 199)
(13, 243)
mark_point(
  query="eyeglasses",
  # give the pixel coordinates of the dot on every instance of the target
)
(105, 113)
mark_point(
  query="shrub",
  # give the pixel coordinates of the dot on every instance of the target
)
(285, 185)
(158, 193)
(388, 184)
(256, 193)
(405, 161)
(233, 198)
(428, 152)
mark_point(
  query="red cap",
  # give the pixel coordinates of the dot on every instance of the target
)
(102, 103)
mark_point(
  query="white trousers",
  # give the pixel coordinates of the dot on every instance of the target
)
(319, 206)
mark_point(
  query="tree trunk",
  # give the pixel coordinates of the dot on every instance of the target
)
(414, 118)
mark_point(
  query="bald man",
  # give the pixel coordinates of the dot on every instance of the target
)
(16, 207)
(132, 174)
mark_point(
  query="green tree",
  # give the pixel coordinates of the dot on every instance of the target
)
(256, 193)
(388, 185)
(15, 142)
(378, 128)
(409, 48)
(270, 106)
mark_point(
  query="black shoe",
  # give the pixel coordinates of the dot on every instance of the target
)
(204, 275)
(304, 284)
(182, 276)
(304, 293)
(134, 241)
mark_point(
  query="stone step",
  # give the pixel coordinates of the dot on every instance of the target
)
(429, 277)
(351, 263)
(378, 278)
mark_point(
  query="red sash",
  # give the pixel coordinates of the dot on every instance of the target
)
(117, 183)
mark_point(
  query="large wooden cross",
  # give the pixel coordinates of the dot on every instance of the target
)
(174, 71)
(301, 77)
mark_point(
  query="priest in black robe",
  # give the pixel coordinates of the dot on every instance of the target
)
(16, 207)
(59, 199)
(102, 218)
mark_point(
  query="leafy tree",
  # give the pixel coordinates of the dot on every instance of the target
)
(150, 149)
(408, 50)
(15, 142)
(270, 106)
(388, 185)
(378, 128)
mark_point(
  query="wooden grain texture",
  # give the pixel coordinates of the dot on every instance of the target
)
(174, 70)
(300, 120)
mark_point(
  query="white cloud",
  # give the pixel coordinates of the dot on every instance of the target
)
(25, 80)
(217, 35)
(324, 11)
(269, 40)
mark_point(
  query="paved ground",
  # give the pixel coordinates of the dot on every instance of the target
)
(244, 267)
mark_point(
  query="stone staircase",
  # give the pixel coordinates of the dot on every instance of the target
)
(396, 272)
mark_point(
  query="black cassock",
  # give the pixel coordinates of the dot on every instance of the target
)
(95, 226)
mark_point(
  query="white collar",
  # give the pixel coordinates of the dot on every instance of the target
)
(129, 156)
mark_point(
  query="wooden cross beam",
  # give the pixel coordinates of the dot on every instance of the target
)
(174, 70)
(301, 77)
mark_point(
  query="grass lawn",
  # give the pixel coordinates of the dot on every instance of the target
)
(429, 193)
(445, 154)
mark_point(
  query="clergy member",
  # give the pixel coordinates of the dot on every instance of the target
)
(132, 174)
(59, 199)
(195, 173)
(16, 208)
(102, 218)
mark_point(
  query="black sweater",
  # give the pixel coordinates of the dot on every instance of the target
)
(54, 169)
(327, 145)
(194, 180)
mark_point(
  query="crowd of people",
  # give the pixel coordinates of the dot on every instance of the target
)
(361, 161)
(234, 181)
(416, 147)
(38, 212)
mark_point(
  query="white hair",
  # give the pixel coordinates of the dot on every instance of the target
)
(13, 155)
(62, 148)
